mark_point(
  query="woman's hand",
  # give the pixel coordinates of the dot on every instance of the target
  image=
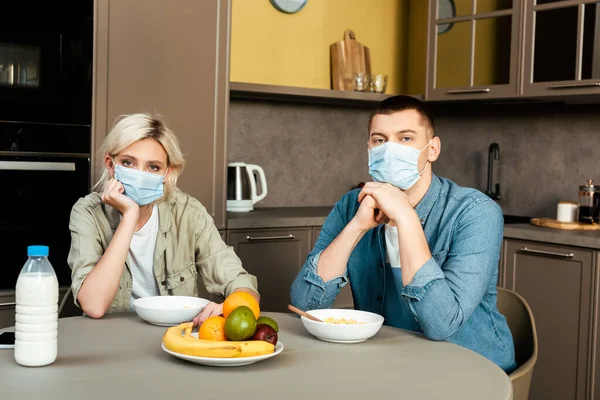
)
(210, 310)
(114, 197)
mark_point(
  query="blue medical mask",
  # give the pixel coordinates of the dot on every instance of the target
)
(396, 164)
(141, 187)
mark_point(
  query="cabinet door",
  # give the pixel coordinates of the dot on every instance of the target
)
(473, 49)
(556, 281)
(562, 53)
(170, 58)
(344, 299)
(274, 256)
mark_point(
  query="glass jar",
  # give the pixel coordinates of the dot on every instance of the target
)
(589, 203)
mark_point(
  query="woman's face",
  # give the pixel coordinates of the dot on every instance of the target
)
(147, 155)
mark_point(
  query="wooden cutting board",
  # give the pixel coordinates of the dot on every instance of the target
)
(571, 226)
(348, 57)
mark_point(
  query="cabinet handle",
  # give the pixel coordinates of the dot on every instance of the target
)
(547, 253)
(468, 91)
(574, 85)
(282, 237)
(13, 303)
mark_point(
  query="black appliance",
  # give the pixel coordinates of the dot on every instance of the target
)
(44, 170)
(46, 61)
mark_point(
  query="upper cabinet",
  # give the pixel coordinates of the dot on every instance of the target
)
(561, 52)
(170, 58)
(473, 49)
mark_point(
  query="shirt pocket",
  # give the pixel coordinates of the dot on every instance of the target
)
(184, 282)
(440, 257)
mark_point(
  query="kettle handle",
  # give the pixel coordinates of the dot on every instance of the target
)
(263, 182)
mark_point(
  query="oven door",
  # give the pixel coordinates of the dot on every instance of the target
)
(38, 192)
(46, 62)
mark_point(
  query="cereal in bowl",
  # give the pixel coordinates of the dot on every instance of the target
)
(331, 320)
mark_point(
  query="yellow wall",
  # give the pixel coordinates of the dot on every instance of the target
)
(271, 47)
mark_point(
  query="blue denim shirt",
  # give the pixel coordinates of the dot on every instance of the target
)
(451, 297)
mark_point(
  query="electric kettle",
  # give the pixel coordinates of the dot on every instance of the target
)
(241, 186)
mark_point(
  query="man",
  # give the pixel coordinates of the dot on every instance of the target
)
(418, 249)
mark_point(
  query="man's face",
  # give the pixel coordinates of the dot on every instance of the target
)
(406, 128)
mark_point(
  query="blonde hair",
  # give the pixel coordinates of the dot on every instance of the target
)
(129, 129)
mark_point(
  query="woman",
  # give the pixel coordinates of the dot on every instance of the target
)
(137, 235)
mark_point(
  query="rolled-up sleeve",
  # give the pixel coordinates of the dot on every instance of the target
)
(443, 297)
(218, 265)
(309, 291)
(86, 247)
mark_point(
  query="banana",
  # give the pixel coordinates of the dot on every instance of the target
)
(187, 344)
(254, 348)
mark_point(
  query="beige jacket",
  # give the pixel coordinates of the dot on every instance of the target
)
(188, 244)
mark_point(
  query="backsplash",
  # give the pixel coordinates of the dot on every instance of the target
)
(546, 151)
(313, 154)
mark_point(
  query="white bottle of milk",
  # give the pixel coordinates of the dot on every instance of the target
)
(36, 327)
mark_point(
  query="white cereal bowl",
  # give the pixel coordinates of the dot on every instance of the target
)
(343, 333)
(168, 310)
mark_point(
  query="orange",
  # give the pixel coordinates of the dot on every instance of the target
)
(234, 300)
(213, 329)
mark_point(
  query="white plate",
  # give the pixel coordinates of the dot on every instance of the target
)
(225, 362)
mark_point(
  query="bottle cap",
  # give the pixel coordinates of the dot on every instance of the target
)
(37, 251)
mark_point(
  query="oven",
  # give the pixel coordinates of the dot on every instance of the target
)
(44, 170)
(46, 54)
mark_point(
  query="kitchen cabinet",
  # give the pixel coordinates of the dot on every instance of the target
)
(344, 299)
(561, 53)
(170, 58)
(557, 282)
(274, 256)
(474, 53)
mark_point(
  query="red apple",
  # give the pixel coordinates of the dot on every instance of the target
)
(266, 333)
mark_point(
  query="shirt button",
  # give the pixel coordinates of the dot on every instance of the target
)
(163, 283)
(422, 221)
(182, 279)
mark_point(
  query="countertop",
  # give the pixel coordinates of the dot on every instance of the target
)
(120, 357)
(286, 217)
(278, 217)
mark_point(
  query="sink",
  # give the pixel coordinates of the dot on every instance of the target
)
(516, 219)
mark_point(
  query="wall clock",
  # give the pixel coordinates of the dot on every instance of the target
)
(289, 6)
(446, 9)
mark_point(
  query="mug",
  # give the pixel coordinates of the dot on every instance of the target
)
(566, 211)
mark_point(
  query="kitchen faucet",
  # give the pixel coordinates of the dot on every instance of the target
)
(493, 154)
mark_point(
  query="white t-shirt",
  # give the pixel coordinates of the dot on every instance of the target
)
(140, 259)
(391, 245)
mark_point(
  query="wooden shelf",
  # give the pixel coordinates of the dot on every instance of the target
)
(254, 91)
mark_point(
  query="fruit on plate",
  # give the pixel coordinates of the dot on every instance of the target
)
(240, 324)
(187, 344)
(237, 299)
(263, 319)
(212, 329)
(265, 333)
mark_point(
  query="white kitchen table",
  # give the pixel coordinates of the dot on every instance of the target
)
(120, 357)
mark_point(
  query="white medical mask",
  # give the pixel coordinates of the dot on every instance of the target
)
(396, 164)
(141, 187)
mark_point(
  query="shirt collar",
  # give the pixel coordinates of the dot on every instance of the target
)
(426, 204)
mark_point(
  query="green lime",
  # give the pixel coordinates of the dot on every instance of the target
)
(240, 324)
(268, 321)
